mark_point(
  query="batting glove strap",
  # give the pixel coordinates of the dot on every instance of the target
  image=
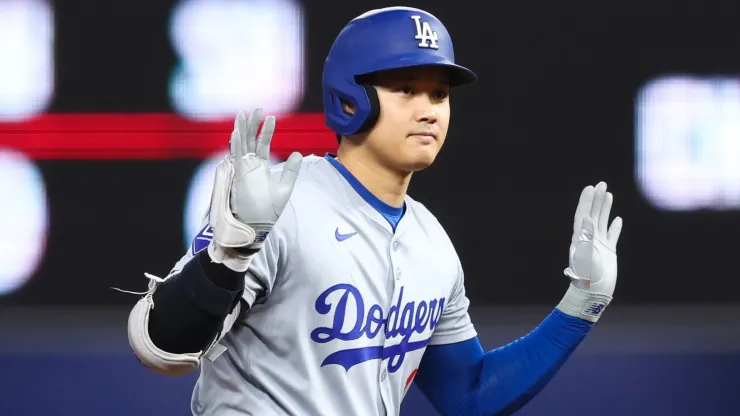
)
(584, 304)
(230, 257)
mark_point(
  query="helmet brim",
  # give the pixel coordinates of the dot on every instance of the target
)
(459, 75)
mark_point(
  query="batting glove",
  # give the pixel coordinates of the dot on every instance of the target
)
(246, 201)
(592, 256)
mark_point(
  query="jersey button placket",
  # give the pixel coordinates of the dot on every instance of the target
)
(385, 388)
(385, 394)
(397, 271)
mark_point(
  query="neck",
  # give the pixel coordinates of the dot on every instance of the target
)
(386, 184)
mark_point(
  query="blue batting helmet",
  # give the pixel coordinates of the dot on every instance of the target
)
(382, 39)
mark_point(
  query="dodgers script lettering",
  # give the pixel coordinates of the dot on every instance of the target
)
(403, 320)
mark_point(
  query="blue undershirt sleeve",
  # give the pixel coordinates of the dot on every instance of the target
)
(460, 379)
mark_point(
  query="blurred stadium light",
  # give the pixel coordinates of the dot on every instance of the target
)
(688, 143)
(24, 222)
(235, 55)
(26, 58)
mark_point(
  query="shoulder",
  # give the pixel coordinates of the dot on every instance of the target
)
(315, 192)
(317, 187)
(423, 215)
(308, 166)
(286, 224)
(314, 173)
(429, 223)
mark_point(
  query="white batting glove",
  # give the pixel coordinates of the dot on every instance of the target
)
(592, 256)
(246, 201)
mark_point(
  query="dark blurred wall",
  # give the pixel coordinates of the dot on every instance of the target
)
(554, 110)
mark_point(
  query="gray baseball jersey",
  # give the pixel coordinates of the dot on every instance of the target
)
(341, 307)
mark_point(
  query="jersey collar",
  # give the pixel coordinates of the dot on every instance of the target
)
(371, 199)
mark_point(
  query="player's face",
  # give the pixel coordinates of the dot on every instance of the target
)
(414, 117)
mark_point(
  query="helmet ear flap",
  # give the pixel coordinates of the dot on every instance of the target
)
(372, 117)
(373, 114)
(364, 99)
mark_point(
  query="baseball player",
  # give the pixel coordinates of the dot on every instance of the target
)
(321, 288)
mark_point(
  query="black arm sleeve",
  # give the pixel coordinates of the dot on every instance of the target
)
(190, 307)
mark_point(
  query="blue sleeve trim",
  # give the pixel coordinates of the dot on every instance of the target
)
(460, 379)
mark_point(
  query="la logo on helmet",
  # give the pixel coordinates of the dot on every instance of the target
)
(424, 33)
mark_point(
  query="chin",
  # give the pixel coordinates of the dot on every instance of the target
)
(419, 162)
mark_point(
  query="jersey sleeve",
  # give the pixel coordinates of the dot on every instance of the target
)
(454, 325)
(269, 263)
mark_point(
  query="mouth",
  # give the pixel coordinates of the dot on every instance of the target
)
(425, 136)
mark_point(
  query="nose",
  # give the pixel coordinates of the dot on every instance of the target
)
(426, 111)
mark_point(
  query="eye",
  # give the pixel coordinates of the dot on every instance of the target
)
(441, 94)
(405, 90)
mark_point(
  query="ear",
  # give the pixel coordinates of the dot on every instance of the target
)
(348, 107)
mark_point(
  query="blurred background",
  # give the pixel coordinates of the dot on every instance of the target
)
(112, 115)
